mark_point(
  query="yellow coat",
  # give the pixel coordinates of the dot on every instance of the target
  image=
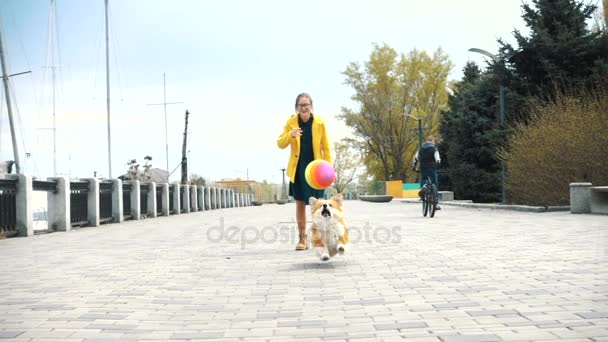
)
(320, 143)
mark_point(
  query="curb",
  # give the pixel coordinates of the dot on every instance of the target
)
(494, 206)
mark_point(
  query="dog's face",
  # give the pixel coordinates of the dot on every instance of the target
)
(327, 211)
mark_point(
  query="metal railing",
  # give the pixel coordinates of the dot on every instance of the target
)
(8, 207)
(48, 186)
(159, 199)
(105, 202)
(143, 198)
(79, 192)
(183, 194)
(171, 204)
(126, 201)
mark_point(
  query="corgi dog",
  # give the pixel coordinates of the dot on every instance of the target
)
(329, 229)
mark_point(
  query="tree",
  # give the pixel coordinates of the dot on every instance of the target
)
(470, 138)
(346, 164)
(605, 14)
(561, 52)
(135, 173)
(561, 144)
(197, 180)
(387, 85)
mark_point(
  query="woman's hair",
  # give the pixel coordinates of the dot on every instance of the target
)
(307, 95)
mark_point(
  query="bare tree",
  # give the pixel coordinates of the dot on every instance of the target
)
(135, 173)
(346, 163)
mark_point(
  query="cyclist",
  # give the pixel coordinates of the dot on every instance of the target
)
(429, 160)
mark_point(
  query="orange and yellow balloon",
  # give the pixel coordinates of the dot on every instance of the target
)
(320, 174)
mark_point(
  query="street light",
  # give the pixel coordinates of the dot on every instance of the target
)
(501, 99)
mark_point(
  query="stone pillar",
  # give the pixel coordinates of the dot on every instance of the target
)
(59, 205)
(151, 200)
(218, 198)
(24, 204)
(212, 199)
(117, 213)
(194, 198)
(223, 198)
(186, 198)
(176, 199)
(135, 200)
(580, 198)
(165, 199)
(207, 191)
(201, 198)
(93, 202)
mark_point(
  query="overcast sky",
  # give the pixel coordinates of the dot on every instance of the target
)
(237, 66)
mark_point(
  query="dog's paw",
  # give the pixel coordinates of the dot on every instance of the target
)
(324, 257)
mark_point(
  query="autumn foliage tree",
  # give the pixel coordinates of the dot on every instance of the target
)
(385, 86)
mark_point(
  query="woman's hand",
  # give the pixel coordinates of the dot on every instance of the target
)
(296, 132)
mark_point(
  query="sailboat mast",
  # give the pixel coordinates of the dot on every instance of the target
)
(108, 93)
(5, 76)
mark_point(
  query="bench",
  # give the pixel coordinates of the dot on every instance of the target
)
(445, 196)
(598, 196)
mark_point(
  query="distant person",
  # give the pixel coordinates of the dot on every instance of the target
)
(307, 135)
(429, 159)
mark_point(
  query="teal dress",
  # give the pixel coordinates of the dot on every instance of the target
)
(300, 190)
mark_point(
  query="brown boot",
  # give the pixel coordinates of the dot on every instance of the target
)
(303, 243)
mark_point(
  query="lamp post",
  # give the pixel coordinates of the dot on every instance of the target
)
(501, 99)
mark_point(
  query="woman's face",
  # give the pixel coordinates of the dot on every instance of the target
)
(304, 106)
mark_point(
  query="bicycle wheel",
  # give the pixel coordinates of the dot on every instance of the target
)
(425, 202)
(425, 207)
(432, 201)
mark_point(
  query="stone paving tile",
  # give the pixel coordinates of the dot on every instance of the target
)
(466, 275)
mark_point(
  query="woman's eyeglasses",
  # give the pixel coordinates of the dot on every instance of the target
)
(304, 105)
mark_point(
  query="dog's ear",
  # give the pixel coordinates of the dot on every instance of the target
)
(338, 199)
(312, 201)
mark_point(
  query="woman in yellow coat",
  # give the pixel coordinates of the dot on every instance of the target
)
(307, 135)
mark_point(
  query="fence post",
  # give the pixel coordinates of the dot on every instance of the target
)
(207, 195)
(59, 205)
(117, 201)
(186, 197)
(194, 198)
(176, 199)
(135, 200)
(200, 190)
(220, 198)
(151, 200)
(93, 202)
(165, 199)
(211, 198)
(23, 201)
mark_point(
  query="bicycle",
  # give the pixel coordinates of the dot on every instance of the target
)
(428, 194)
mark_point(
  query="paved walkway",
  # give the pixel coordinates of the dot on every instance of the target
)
(466, 275)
